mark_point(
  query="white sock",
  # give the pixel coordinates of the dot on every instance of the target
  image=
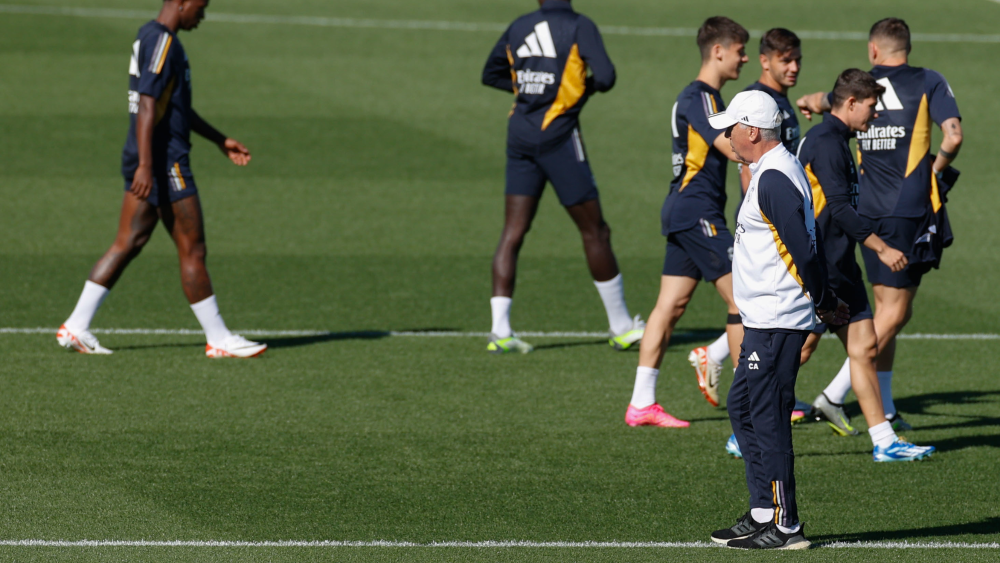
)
(718, 351)
(613, 294)
(90, 300)
(644, 392)
(207, 311)
(882, 434)
(885, 386)
(501, 316)
(761, 515)
(837, 390)
(791, 530)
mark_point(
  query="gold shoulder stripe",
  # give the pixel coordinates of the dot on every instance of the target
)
(819, 198)
(786, 257)
(163, 53)
(694, 161)
(571, 88)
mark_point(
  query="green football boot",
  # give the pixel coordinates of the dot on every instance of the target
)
(508, 345)
(625, 340)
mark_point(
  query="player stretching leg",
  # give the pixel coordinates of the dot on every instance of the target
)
(829, 165)
(159, 185)
(543, 58)
(900, 182)
(780, 62)
(693, 220)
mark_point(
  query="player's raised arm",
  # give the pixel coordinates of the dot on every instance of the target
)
(809, 104)
(497, 72)
(593, 53)
(235, 150)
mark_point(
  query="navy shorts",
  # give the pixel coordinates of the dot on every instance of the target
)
(566, 167)
(899, 233)
(174, 184)
(705, 251)
(857, 301)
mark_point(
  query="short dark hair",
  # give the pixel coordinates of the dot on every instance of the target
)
(857, 83)
(720, 30)
(893, 29)
(779, 40)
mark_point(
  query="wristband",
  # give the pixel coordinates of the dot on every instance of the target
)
(948, 155)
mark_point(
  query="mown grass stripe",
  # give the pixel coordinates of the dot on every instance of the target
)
(479, 544)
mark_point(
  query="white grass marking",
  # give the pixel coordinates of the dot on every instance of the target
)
(706, 334)
(481, 544)
(438, 333)
(317, 21)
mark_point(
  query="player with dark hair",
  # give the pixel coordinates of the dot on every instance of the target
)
(780, 63)
(543, 58)
(159, 185)
(693, 216)
(900, 183)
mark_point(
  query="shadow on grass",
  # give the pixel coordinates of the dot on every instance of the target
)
(296, 341)
(540, 347)
(985, 527)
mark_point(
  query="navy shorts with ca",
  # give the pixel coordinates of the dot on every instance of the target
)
(175, 184)
(705, 251)
(565, 166)
(857, 302)
(899, 233)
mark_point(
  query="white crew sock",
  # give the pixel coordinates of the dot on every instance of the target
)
(882, 434)
(718, 351)
(644, 392)
(501, 316)
(837, 390)
(90, 300)
(885, 386)
(613, 294)
(761, 515)
(207, 311)
(791, 530)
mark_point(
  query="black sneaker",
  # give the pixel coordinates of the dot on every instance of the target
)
(770, 537)
(745, 527)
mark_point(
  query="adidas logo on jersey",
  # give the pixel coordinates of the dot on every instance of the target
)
(539, 43)
(752, 361)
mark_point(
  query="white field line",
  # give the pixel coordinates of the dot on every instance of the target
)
(481, 544)
(317, 21)
(437, 333)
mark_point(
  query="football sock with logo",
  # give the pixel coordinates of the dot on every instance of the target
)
(644, 392)
(86, 307)
(761, 515)
(885, 386)
(207, 311)
(501, 316)
(718, 351)
(882, 434)
(613, 295)
(837, 390)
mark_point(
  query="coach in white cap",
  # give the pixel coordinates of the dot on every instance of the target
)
(780, 285)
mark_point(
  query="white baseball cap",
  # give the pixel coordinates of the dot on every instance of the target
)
(752, 108)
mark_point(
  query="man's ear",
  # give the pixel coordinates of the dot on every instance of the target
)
(718, 51)
(765, 62)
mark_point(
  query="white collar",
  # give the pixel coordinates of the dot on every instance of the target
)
(755, 165)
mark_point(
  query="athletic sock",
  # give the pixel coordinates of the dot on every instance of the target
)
(90, 300)
(837, 390)
(882, 434)
(718, 351)
(885, 386)
(791, 530)
(761, 515)
(501, 316)
(644, 392)
(207, 311)
(613, 295)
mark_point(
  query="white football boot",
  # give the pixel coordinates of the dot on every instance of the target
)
(82, 341)
(234, 346)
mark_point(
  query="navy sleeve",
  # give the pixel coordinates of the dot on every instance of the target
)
(700, 106)
(497, 72)
(831, 169)
(156, 73)
(783, 205)
(588, 40)
(940, 98)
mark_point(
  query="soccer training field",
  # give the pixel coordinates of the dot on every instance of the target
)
(368, 218)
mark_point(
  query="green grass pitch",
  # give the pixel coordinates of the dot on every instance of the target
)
(373, 203)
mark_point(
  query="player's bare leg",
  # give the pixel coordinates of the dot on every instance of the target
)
(643, 410)
(183, 220)
(862, 347)
(724, 286)
(812, 342)
(519, 212)
(893, 309)
(596, 234)
(136, 223)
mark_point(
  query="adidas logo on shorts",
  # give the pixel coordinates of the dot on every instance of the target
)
(752, 361)
(539, 43)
